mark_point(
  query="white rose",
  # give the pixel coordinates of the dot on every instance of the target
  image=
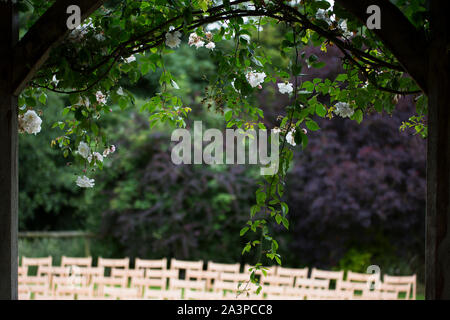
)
(210, 45)
(109, 150)
(290, 137)
(84, 150)
(285, 87)
(101, 98)
(30, 122)
(343, 110)
(55, 81)
(255, 78)
(85, 182)
(199, 44)
(96, 156)
(84, 101)
(173, 38)
(130, 59)
(195, 40)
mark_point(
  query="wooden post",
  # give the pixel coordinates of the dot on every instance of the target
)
(8, 156)
(437, 247)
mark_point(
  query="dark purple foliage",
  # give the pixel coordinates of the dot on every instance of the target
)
(359, 186)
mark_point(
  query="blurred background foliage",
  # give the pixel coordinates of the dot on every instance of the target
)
(356, 194)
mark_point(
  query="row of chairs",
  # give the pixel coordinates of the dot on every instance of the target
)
(76, 278)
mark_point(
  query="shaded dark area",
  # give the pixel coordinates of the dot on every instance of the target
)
(360, 187)
(185, 211)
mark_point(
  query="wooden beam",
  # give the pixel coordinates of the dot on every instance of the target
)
(56, 234)
(437, 249)
(8, 160)
(33, 49)
(406, 43)
(18, 63)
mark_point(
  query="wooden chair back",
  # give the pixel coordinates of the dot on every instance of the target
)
(202, 295)
(337, 276)
(122, 293)
(221, 286)
(37, 285)
(75, 261)
(113, 263)
(101, 282)
(163, 294)
(292, 272)
(160, 278)
(277, 281)
(160, 264)
(234, 277)
(186, 265)
(223, 267)
(36, 262)
(187, 285)
(403, 280)
(322, 284)
(208, 276)
(127, 273)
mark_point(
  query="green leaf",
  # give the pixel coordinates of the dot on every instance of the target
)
(312, 125)
(243, 231)
(145, 68)
(228, 115)
(304, 141)
(203, 4)
(247, 248)
(258, 290)
(358, 116)
(123, 102)
(318, 65)
(285, 223)
(94, 128)
(260, 197)
(321, 111)
(30, 101)
(174, 84)
(256, 61)
(43, 98)
(284, 207)
(254, 209)
(322, 4)
(308, 86)
(278, 260)
(341, 77)
(278, 218)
